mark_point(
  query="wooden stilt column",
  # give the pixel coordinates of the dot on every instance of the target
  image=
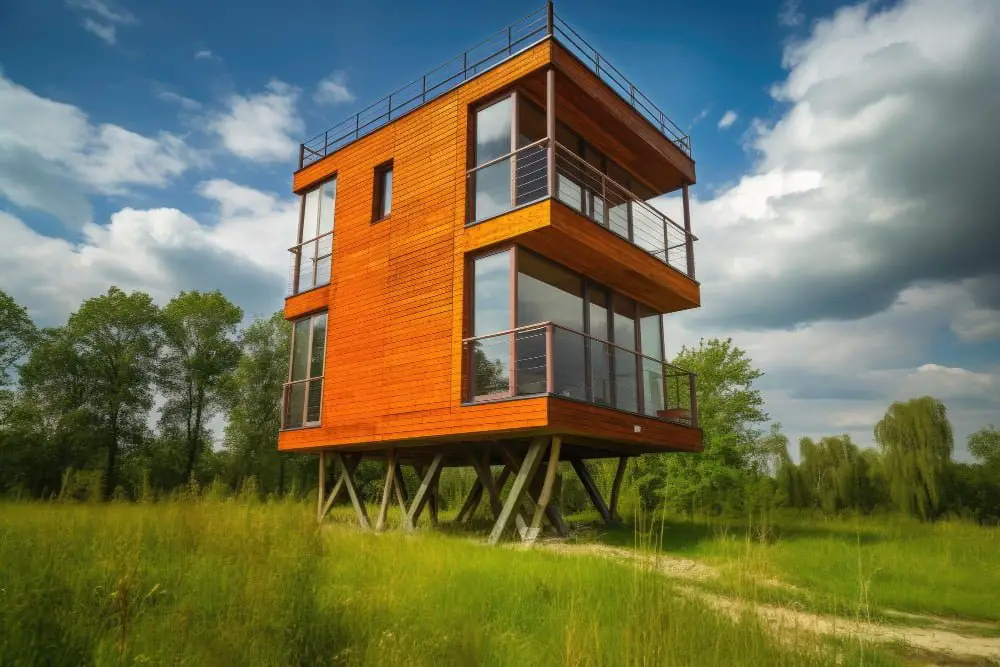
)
(551, 470)
(423, 493)
(390, 479)
(616, 488)
(331, 498)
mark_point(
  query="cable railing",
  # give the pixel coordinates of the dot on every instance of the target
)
(551, 359)
(301, 403)
(310, 264)
(521, 177)
(516, 38)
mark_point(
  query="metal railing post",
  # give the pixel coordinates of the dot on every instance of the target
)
(550, 125)
(550, 19)
(693, 388)
(423, 89)
(550, 367)
(688, 239)
(302, 155)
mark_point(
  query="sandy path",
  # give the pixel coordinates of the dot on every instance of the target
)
(936, 640)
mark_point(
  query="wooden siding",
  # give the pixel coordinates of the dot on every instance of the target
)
(393, 369)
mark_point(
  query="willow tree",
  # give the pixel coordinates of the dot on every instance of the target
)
(916, 440)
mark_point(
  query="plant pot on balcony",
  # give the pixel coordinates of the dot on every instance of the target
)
(675, 414)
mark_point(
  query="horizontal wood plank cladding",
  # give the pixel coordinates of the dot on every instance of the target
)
(305, 303)
(591, 98)
(393, 360)
(507, 226)
(586, 247)
(598, 423)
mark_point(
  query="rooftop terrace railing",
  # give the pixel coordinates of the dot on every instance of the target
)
(503, 45)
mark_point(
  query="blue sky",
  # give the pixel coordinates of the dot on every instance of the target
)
(845, 205)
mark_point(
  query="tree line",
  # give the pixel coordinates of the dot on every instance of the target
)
(117, 402)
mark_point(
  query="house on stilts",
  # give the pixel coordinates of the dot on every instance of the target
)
(478, 280)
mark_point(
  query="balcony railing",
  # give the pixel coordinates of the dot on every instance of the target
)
(501, 46)
(550, 359)
(301, 403)
(521, 178)
(310, 264)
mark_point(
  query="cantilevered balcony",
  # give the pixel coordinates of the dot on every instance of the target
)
(554, 360)
(521, 178)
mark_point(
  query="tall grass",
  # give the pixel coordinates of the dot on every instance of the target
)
(224, 582)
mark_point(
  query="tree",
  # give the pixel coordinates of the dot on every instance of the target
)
(115, 339)
(17, 335)
(200, 349)
(253, 400)
(916, 441)
(984, 444)
(730, 410)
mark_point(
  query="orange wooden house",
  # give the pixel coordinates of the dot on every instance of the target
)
(478, 280)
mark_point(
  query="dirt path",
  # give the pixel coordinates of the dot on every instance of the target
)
(942, 638)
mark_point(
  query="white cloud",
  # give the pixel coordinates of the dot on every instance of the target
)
(333, 90)
(105, 31)
(101, 18)
(204, 54)
(844, 257)
(51, 155)
(239, 249)
(264, 127)
(790, 15)
(727, 120)
(183, 102)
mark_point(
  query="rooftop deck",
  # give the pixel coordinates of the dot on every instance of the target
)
(517, 37)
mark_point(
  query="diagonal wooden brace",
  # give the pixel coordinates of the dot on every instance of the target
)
(352, 463)
(347, 477)
(424, 492)
(591, 488)
(551, 470)
(390, 479)
(523, 479)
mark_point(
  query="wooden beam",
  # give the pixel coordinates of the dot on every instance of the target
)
(521, 482)
(471, 503)
(400, 485)
(347, 476)
(591, 488)
(616, 487)
(512, 465)
(390, 478)
(423, 493)
(552, 468)
(487, 484)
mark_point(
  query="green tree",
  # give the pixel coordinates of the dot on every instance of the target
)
(200, 350)
(253, 401)
(730, 412)
(916, 441)
(115, 339)
(984, 444)
(17, 335)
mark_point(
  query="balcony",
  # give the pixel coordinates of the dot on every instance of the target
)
(310, 264)
(554, 360)
(520, 178)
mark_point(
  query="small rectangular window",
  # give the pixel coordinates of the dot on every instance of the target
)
(383, 192)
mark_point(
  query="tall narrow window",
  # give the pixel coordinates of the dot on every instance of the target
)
(311, 257)
(383, 192)
(493, 141)
(491, 314)
(303, 394)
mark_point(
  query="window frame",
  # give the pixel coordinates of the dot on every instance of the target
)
(379, 204)
(612, 296)
(308, 380)
(301, 241)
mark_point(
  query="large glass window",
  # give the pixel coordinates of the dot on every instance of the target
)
(493, 140)
(303, 395)
(491, 314)
(546, 292)
(311, 258)
(601, 347)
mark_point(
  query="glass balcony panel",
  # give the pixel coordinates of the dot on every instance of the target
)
(652, 387)
(569, 192)
(315, 400)
(322, 272)
(531, 362)
(531, 176)
(491, 364)
(569, 350)
(600, 372)
(626, 388)
(295, 400)
(492, 190)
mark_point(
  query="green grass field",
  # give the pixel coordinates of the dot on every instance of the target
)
(861, 566)
(223, 582)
